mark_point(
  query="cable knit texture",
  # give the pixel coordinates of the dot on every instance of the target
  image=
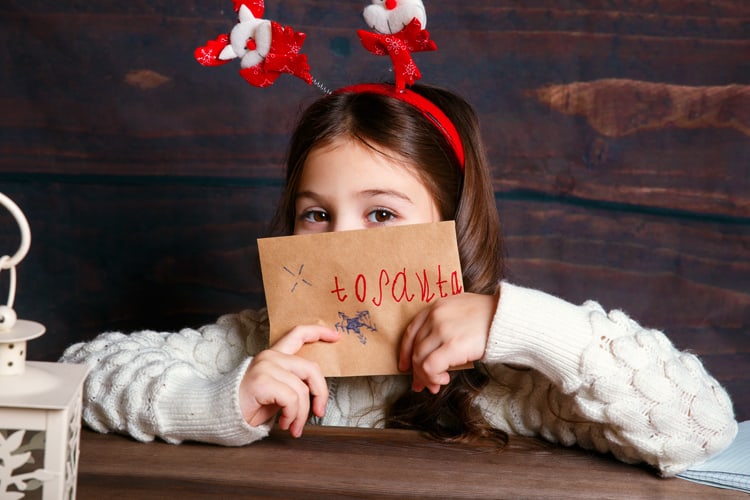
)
(178, 386)
(568, 374)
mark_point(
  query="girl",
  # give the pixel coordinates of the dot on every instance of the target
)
(368, 156)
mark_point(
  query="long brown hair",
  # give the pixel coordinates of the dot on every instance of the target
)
(391, 126)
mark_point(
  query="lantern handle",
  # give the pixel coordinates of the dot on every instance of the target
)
(7, 262)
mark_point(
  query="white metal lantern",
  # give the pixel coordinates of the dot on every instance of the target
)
(40, 402)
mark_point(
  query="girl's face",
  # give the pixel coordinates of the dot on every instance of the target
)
(346, 185)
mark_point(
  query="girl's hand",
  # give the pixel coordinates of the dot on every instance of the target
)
(278, 379)
(450, 333)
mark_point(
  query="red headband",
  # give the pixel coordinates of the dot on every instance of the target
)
(266, 50)
(424, 105)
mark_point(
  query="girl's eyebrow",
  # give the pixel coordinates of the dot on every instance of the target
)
(371, 193)
(367, 193)
(305, 194)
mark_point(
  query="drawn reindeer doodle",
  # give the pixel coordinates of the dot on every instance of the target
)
(356, 324)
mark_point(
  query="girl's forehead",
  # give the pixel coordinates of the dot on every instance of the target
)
(351, 162)
(361, 150)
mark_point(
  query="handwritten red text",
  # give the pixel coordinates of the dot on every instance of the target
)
(398, 286)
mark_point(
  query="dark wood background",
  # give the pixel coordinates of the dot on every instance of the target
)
(618, 132)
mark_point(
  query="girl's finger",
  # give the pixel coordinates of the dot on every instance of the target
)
(277, 387)
(296, 409)
(263, 414)
(304, 334)
(408, 339)
(434, 368)
(278, 381)
(307, 371)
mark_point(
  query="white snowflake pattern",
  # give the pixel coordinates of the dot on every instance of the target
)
(205, 57)
(411, 71)
(394, 45)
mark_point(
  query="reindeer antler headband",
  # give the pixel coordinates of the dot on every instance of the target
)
(266, 50)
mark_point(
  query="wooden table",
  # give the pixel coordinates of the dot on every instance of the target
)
(346, 463)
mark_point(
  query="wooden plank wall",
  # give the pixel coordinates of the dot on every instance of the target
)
(618, 131)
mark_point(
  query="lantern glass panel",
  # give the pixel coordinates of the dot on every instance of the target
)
(22, 453)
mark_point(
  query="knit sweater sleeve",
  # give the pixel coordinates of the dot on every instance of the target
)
(585, 376)
(173, 385)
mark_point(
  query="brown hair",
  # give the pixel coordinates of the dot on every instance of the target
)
(386, 124)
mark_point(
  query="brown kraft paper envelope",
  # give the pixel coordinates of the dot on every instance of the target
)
(368, 284)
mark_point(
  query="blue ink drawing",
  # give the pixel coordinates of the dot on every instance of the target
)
(356, 324)
(298, 276)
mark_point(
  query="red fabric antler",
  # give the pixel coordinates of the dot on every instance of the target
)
(399, 47)
(283, 53)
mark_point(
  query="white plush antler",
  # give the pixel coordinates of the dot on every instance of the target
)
(248, 28)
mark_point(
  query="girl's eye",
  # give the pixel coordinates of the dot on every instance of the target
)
(315, 216)
(381, 215)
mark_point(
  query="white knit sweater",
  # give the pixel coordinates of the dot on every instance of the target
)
(597, 379)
